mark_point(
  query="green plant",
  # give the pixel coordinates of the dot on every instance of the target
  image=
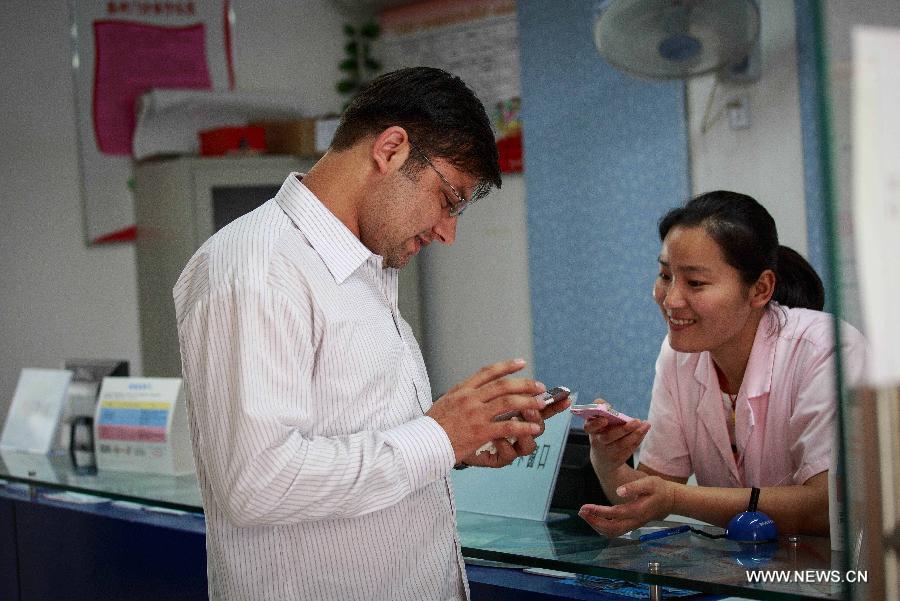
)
(358, 67)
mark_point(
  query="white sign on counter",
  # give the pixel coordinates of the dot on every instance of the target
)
(34, 417)
(522, 489)
(140, 425)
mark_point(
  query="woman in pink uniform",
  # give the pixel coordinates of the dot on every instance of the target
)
(745, 392)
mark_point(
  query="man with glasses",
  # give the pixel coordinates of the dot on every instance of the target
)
(323, 463)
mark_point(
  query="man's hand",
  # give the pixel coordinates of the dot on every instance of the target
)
(539, 417)
(467, 412)
(506, 453)
(648, 498)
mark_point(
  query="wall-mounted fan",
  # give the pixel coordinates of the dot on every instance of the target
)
(676, 39)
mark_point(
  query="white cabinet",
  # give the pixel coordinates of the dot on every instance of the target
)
(181, 202)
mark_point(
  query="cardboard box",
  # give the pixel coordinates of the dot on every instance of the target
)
(301, 137)
(291, 137)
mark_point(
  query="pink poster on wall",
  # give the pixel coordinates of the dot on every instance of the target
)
(132, 58)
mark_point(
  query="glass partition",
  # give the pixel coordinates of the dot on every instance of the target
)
(685, 561)
(860, 156)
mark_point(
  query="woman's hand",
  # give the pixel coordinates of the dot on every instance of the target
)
(646, 499)
(611, 446)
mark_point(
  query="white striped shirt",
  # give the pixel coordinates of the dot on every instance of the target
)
(306, 391)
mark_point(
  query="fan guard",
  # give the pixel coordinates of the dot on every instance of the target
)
(675, 39)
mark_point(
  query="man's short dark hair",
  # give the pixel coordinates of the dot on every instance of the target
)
(439, 112)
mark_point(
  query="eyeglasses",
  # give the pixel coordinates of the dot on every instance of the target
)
(456, 208)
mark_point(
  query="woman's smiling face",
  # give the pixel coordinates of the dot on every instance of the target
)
(703, 299)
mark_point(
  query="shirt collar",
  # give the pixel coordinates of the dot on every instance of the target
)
(761, 364)
(341, 251)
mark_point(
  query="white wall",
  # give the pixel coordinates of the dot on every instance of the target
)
(476, 297)
(58, 298)
(290, 45)
(766, 160)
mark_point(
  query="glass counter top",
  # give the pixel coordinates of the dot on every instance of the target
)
(56, 472)
(686, 561)
(565, 543)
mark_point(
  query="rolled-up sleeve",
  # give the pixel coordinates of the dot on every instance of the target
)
(811, 427)
(665, 448)
(814, 416)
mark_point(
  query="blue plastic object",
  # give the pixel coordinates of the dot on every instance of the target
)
(679, 48)
(752, 526)
(754, 555)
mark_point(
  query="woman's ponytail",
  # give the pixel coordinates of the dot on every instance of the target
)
(796, 282)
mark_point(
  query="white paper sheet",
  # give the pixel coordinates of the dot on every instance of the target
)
(876, 194)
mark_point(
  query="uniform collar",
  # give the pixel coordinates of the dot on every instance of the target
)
(758, 375)
(340, 250)
(761, 364)
(755, 388)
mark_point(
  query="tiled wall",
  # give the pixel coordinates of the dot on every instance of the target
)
(605, 157)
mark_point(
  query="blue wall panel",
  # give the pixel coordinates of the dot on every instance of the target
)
(605, 157)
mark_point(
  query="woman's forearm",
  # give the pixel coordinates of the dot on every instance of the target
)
(613, 480)
(801, 509)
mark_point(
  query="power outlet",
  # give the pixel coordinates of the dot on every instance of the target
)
(738, 111)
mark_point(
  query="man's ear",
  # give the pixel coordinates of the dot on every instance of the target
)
(390, 149)
(761, 292)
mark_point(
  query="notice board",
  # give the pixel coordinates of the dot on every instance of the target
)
(478, 41)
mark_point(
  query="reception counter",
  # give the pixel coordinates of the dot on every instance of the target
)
(106, 542)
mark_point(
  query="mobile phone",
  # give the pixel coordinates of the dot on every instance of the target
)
(613, 417)
(553, 395)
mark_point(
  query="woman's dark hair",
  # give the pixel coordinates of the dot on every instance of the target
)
(441, 115)
(746, 233)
